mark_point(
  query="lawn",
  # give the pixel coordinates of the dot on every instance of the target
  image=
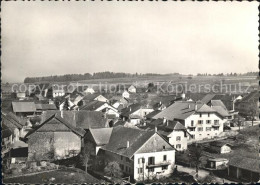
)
(67, 176)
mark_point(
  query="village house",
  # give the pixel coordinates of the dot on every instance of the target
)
(7, 139)
(119, 102)
(175, 133)
(100, 106)
(219, 147)
(244, 169)
(54, 139)
(159, 106)
(141, 154)
(89, 90)
(80, 119)
(132, 89)
(92, 97)
(248, 103)
(24, 109)
(66, 102)
(135, 113)
(15, 124)
(202, 121)
(125, 94)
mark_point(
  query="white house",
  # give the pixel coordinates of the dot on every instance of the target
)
(175, 133)
(126, 94)
(201, 121)
(132, 89)
(141, 154)
(89, 90)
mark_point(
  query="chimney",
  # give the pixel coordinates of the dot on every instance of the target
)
(188, 106)
(123, 118)
(127, 144)
(155, 129)
(164, 120)
(167, 122)
(160, 103)
(130, 109)
(61, 113)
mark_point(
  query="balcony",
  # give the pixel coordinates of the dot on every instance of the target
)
(191, 126)
(163, 163)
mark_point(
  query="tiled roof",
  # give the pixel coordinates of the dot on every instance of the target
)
(167, 125)
(12, 121)
(53, 120)
(245, 163)
(152, 114)
(207, 98)
(182, 110)
(223, 112)
(82, 119)
(218, 103)
(23, 106)
(252, 95)
(101, 135)
(130, 109)
(93, 105)
(119, 137)
(40, 106)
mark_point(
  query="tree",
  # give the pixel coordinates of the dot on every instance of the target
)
(113, 169)
(85, 155)
(239, 121)
(195, 153)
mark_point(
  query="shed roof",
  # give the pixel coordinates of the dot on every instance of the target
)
(245, 163)
(23, 106)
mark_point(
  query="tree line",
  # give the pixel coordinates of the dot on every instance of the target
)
(87, 76)
(230, 74)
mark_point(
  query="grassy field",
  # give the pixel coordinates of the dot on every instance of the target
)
(60, 176)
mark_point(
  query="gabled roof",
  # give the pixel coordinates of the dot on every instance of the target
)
(245, 163)
(220, 110)
(130, 109)
(82, 119)
(16, 119)
(252, 95)
(119, 137)
(101, 135)
(218, 103)
(207, 98)
(23, 106)
(53, 120)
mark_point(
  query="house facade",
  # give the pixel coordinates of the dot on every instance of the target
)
(140, 154)
(54, 139)
(132, 89)
(201, 121)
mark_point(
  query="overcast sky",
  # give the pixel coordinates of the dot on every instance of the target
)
(52, 38)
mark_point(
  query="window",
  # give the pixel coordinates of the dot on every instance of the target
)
(208, 121)
(200, 115)
(163, 147)
(208, 128)
(150, 169)
(164, 157)
(178, 138)
(192, 129)
(200, 129)
(164, 167)
(140, 170)
(127, 160)
(216, 121)
(126, 168)
(122, 158)
(151, 160)
(193, 136)
(208, 114)
(178, 146)
(192, 123)
(216, 128)
(200, 121)
(141, 160)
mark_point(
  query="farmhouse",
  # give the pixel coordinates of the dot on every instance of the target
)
(141, 154)
(54, 139)
(201, 120)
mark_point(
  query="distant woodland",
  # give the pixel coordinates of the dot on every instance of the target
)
(107, 75)
(88, 76)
